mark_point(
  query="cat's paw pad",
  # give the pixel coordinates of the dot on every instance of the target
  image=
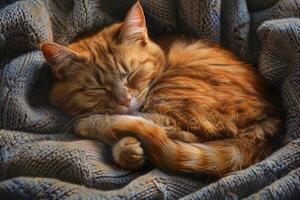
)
(128, 153)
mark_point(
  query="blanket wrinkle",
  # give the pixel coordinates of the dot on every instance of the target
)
(162, 188)
(40, 157)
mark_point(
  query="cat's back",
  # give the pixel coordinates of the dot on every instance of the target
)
(206, 82)
(209, 68)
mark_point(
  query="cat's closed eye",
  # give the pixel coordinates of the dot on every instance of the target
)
(130, 75)
(136, 78)
(99, 89)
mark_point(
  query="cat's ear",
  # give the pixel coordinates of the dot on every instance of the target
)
(134, 27)
(56, 54)
(61, 59)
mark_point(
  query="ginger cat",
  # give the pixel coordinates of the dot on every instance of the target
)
(192, 107)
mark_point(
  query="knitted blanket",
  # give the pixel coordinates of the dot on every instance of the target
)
(40, 158)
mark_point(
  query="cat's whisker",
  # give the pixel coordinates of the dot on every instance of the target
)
(70, 124)
(143, 93)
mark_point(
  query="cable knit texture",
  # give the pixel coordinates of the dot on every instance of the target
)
(40, 158)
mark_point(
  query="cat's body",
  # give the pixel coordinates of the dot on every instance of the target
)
(194, 106)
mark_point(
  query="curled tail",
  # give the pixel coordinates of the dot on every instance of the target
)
(216, 157)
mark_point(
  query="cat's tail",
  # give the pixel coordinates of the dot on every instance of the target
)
(216, 157)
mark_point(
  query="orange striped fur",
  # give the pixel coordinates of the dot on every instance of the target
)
(194, 106)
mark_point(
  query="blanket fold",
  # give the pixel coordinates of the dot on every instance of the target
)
(40, 158)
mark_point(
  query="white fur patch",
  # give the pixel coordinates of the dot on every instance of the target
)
(236, 158)
(133, 105)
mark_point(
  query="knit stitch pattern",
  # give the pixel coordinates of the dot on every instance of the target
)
(40, 156)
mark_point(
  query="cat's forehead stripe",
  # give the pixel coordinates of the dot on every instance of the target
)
(107, 59)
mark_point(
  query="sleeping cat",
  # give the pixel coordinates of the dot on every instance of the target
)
(190, 107)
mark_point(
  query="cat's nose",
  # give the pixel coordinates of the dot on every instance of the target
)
(124, 101)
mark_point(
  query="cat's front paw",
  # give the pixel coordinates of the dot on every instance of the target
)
(96, 127)
(83, 128)
(128, 153)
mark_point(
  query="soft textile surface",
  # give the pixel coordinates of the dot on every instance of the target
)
(40, 158)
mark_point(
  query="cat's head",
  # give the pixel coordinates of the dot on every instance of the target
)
(108, 72)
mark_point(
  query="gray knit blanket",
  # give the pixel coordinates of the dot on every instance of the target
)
(40, 157)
